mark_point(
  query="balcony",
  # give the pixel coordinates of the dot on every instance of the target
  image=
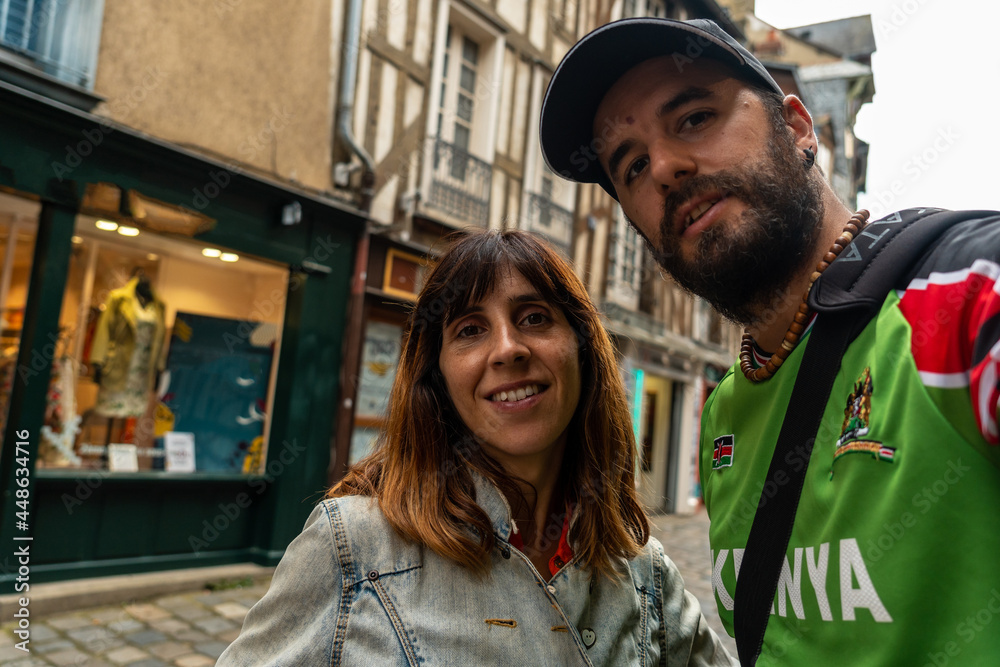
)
(619, 314)
(460, 184)
(550, 220)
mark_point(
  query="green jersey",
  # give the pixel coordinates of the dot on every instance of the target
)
(893, 554)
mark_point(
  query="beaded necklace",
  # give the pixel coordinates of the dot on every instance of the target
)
(801, 320)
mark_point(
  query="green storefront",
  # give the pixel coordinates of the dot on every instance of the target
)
(170, 347)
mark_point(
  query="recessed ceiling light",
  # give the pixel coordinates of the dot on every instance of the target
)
(211, 252)
(229, 257)
(77, 239)
(106, 225)
(128, 231)
(152, 257)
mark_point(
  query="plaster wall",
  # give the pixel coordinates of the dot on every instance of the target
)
(233, 78)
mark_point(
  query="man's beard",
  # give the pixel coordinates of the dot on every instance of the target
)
(743, 267)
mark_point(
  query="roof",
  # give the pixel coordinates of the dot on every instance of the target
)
(851, 37)
(844, 69)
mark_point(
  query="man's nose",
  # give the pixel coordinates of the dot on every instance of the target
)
(670, 164)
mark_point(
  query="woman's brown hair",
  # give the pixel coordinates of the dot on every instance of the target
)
(420, 468)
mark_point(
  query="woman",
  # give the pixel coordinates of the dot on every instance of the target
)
(496, 522)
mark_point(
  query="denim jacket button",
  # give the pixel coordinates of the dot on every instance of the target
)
(505, 552)
(373, 575)
(552, 589)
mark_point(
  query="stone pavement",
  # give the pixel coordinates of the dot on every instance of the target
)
(187, 630)
(192, 629)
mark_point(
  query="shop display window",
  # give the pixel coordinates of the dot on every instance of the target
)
(18, 227)
(380, 357)
(167, 355)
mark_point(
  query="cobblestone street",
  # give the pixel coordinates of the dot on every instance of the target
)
(185, 630)
(192, 629)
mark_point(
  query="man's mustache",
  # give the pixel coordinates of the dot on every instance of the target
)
(725, 183)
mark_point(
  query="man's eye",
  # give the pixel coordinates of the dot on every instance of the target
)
(697, 118)
(634, 169)
(467, 331)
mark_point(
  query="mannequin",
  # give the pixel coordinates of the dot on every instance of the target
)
(127, 348)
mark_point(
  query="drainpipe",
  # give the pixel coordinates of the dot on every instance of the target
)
(345, 111)
(354, 330)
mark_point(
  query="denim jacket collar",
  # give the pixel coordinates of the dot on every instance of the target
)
(493, 502)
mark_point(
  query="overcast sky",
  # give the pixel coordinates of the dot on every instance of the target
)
(933, 125)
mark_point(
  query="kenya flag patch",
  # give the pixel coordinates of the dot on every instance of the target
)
(722, 457)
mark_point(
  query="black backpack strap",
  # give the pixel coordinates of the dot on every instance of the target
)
(849, 294)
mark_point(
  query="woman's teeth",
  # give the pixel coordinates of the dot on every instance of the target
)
(516, 394)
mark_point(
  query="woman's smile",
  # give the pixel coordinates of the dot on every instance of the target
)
(511, 366)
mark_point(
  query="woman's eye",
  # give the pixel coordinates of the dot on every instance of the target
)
(536, 318)
(634, 169)
(467, 331)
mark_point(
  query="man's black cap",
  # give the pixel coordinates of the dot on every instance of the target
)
(598, 60)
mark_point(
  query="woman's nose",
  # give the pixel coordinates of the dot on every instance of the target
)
(509, 346)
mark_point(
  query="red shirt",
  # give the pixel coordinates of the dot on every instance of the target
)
(564, 552)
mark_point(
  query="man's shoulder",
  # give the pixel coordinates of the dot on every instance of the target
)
(972, 236)
(721, 392)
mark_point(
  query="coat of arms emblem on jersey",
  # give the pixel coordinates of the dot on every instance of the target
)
(856, 425)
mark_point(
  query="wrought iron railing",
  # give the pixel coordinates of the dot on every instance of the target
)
(642, 321)
(549, 215)
(460, 184)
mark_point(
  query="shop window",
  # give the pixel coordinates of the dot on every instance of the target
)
(18, 225)
(380, 357)
(167, 356)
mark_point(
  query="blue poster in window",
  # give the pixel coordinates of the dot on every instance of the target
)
(219, 372)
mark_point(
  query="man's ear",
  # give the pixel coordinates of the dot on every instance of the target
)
(800, 123)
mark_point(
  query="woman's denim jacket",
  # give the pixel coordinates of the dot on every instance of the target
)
(350, 591)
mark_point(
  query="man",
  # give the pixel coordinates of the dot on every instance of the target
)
(892, 554)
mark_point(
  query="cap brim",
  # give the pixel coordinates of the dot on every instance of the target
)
(593, 66)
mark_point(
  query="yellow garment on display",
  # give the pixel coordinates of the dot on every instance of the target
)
(115, 348)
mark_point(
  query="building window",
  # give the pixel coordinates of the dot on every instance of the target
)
(167, 355)
(545, 214)
(457, 105)
(548, 213)
(461, 178)
(662, 9)
(625, 251)
(60, 37)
